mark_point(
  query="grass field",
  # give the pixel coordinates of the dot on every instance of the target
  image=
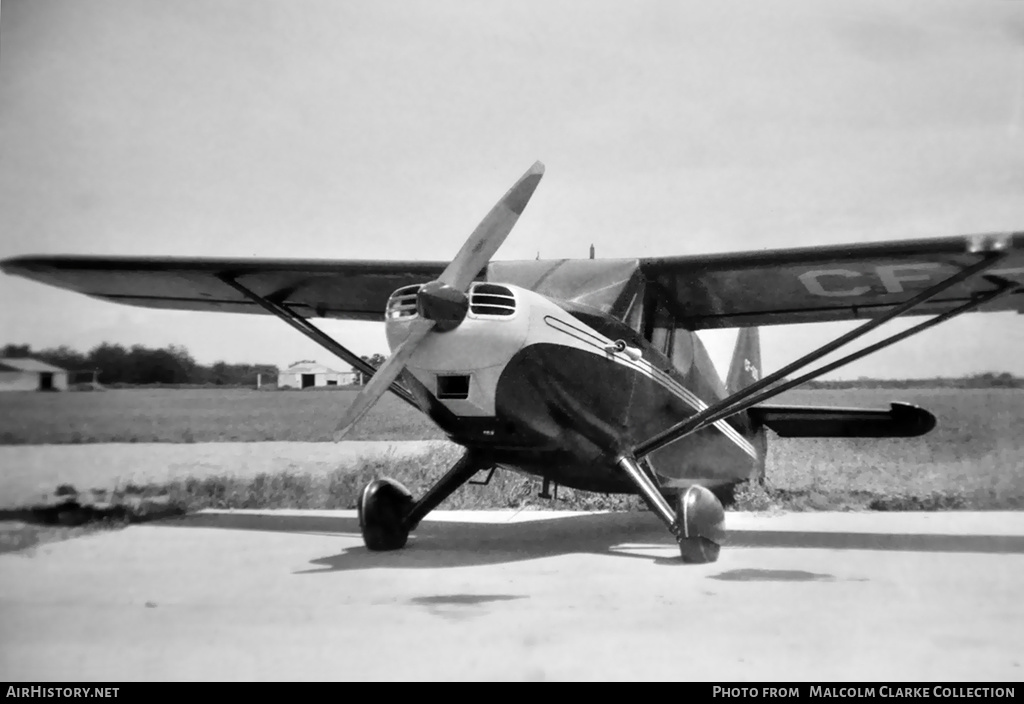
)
(973, 459)
(199, 415)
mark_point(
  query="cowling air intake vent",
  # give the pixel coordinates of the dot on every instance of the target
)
(402, 303)
(491, 301)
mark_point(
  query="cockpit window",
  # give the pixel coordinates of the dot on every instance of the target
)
(660, 326)
(634, 317)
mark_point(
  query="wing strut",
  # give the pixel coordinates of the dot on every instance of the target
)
(317, 335)
(760, 391)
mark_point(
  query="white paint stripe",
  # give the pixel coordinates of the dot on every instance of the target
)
(596, 344)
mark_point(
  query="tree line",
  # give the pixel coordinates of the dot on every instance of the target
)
(987, 380)
(138, 364)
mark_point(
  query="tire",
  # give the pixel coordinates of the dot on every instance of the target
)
(698, 551)
(382, 506)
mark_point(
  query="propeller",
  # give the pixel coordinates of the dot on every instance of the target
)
(442, 304)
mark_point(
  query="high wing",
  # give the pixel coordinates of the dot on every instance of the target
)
(900, 421)
(770, 287)
(344, 289)
(819, 284)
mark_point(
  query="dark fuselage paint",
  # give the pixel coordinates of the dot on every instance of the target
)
(564, 414)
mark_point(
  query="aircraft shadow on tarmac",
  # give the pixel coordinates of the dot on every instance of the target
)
(461, 543)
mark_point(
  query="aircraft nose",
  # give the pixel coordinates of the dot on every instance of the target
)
(445, 305)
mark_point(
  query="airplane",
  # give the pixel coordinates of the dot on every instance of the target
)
(587, 373)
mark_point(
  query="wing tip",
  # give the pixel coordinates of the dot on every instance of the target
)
(912, 420)
(12, 262)
(990, 242)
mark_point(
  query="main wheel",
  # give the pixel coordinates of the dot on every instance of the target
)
(698, 551)
(701, 525)
(382, 506)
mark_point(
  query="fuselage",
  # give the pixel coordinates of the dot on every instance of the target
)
(558, 389)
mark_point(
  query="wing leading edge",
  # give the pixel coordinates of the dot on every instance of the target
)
(345, 289)
(772, 287)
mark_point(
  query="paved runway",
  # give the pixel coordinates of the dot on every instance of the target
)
(528, 596)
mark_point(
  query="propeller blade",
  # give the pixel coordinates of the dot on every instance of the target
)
(383, 378)
(491, 232)
(443, 299)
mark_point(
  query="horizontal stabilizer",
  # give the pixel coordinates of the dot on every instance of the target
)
(900, 421)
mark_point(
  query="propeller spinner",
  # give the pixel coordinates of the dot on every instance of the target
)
(442, 304)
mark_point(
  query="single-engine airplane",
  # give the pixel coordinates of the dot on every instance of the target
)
(587, 373)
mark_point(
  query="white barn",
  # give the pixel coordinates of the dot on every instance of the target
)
(31, 375)
(303, 375)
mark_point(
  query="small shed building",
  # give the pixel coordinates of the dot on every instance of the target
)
(306, 374)
(24, 374)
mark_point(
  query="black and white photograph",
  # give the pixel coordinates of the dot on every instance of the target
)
(490, 340)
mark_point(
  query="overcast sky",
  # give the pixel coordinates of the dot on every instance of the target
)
(388, 129)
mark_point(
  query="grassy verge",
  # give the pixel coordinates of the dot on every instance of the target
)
(508, 490)
(68, 512)
(772, 498)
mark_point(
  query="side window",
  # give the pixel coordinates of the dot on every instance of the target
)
(661, 331)
(682, 350)
(659, 328)
(635, 314)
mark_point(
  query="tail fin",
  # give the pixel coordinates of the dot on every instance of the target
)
(746, 361)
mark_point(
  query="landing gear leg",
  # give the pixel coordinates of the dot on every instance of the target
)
(698, 522)
(387, 511)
